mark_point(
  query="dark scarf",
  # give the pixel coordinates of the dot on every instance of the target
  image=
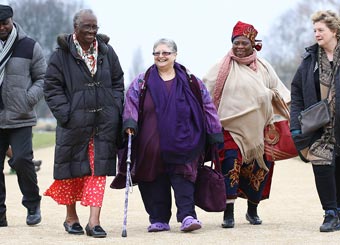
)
(332, 71)
(322, 150)
(180, 118)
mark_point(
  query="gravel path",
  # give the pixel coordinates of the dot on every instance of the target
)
(292, 215)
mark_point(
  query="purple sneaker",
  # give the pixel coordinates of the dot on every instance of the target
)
(158, 226)
(189, 223)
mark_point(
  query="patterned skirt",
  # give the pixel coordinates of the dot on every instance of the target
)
(89, 190)
(241, 179)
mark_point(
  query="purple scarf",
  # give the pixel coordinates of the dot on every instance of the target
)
(180, 118)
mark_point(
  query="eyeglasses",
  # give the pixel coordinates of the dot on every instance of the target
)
(164, 53)
(89, 27)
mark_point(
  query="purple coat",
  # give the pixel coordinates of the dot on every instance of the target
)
(146, 160)
(131, 107)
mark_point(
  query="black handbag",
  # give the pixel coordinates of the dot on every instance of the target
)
(315, 116)
(210, 190)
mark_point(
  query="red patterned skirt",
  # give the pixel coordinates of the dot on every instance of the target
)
(89, 190)
(243, 180)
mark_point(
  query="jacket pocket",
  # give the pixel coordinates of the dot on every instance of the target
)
(18, 102)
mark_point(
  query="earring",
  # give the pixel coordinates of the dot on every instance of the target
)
(258, 46)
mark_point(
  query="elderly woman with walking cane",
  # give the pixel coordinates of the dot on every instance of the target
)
(171, 115)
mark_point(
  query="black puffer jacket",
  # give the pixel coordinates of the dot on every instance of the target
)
(84, 106)
(305, 91)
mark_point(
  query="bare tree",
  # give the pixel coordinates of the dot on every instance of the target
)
(43, 20)
(137, 66)
(290, 34)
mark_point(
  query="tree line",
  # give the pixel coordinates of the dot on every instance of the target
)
(44, 20)
(283, 46)
(290, 34)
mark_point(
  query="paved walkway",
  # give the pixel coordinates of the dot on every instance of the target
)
(292, 215)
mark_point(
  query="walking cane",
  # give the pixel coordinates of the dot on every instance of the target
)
(127, 186)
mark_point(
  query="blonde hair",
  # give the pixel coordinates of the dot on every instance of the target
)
(330, 18)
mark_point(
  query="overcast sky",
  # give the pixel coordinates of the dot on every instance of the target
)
(200, 28)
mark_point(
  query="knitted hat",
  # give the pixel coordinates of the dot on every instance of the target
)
(5, 12)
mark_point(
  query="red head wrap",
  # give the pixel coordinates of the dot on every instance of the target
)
(247, 30)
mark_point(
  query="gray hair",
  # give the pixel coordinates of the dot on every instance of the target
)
(168, 42)
(330, 18)
(76, 18)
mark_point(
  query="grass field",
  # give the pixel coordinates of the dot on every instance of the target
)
(42, 139)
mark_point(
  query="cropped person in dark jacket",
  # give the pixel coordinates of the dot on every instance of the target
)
(317, 73)
(84, 88)
(22, 70)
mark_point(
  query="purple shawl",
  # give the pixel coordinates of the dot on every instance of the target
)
(180, 117)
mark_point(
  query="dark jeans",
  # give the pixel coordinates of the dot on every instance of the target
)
(20, 140)
(327, 180)
(156, 196)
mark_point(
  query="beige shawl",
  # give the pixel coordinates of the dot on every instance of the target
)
(245, 106)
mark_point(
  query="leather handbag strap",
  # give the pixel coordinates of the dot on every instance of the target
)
(215, 160)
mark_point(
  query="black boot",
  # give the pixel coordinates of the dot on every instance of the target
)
(251, 215)
(33, 216)
(228, 217)
(331, 221)
(3, 220)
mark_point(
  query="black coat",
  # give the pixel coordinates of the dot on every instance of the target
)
(305, 91)
(84, 107)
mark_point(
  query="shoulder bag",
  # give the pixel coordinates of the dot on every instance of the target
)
(314, 117)
(210, 190)
(278, 141)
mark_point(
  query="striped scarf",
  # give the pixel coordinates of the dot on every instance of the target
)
(6, 52)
